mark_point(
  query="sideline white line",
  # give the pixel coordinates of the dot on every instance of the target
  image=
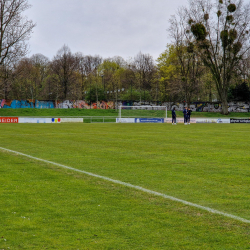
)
(134, 187)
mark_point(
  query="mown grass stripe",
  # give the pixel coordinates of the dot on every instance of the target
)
(214, 211)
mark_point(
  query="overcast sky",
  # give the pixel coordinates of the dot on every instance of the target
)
(101, 27)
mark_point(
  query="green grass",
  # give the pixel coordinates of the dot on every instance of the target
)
(100, 112)
(46, 207)
(58, 112)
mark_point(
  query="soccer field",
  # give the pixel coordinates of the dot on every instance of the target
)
(44, 205)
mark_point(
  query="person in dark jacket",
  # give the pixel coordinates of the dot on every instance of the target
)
(189, 111)
(185, 115)
(173, 117)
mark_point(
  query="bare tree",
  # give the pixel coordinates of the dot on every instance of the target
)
(91, 63)
(87, 68)
(189, 62)
(221, 32)
(145, 68)
(64, 67)
(15, 30)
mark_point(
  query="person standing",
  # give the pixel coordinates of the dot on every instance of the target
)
(185, 115)
(173, 117)
(189, 111)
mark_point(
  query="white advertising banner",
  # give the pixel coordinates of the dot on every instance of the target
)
(71, 119)
(34, 120)
(39, 120)
(125, 120)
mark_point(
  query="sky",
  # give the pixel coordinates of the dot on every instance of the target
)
(101, 27)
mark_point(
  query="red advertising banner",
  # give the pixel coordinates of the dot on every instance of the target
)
(8, 119)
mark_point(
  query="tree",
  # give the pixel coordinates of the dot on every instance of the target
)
(145, 70)
(180, 69)
(168, 68)
(134, 95)
(244, 68)
(189, 62)
(15, 30)
(6, 80)
(111, 72)
(23, 84)
(87, 68)
(64, 67)
(240, 93)
(221, 32)
(91, 94)
(41, 72)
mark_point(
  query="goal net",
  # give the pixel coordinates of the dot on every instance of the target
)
(142, 112)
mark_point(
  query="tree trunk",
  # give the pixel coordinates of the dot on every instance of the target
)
(224, 106)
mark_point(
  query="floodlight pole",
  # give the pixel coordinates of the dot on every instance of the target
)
(120, 111)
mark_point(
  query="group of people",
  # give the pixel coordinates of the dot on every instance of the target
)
(187, 114)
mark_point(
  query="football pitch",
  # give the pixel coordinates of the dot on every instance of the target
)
(124, 186)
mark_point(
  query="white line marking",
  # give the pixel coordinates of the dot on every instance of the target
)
(211, 210)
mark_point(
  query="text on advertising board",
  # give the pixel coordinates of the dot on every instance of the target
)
(234, 120)
(149, 120)
(8, 119)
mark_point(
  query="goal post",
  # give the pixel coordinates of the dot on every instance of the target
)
(143, 112)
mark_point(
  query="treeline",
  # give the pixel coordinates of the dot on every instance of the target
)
(81, 77)
(84, 77)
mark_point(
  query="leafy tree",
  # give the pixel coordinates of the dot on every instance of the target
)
(92, 94)
(134, 95)
(168, 68)
(180, 68)
(112, 78)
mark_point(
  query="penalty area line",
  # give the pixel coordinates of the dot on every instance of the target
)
(211, 210)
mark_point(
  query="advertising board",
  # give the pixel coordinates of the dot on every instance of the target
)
(149, 120)
(9, 119)
(125, 120)
(71, 119)
(179, 120)
(34, 120)
(39, 120)
(223, 120)
(239, 120)
(206, 120)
